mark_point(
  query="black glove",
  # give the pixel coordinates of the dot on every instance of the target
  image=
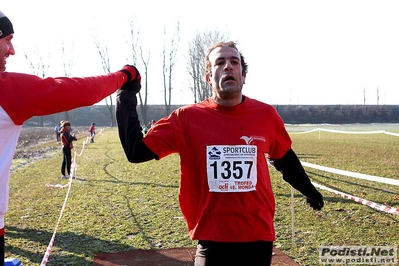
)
(133, 86)
(134, 79)
(295, 175)
(316, 202)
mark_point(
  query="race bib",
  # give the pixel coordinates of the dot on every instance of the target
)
(231, 168)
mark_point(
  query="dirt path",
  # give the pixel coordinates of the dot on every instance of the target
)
(168, 257)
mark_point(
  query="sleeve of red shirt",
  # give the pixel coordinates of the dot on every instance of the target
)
(24, 96)
(162, 137)
(281, 141)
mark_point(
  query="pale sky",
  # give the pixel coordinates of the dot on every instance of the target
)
(298, 52)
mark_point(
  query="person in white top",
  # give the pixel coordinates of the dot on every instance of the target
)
(18, 91)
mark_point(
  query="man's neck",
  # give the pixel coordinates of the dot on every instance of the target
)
(228, 102)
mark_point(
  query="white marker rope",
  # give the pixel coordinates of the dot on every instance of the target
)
(74, 168)
(58, 185)
(353, 174)
(88, 139)
(292, 216)
(50, 245)
(347, 132)
(369, 203)
(73, 164)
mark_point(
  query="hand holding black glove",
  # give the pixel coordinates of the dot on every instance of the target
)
(316, 202)
(133, 79)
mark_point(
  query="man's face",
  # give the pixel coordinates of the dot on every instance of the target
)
(6, 49)
(226, 76)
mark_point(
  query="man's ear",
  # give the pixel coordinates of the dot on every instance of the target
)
(208, 79)
(243, 78)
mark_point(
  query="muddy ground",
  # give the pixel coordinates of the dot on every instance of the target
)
(36, 143)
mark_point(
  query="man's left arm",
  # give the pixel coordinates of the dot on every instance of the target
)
(293, 172)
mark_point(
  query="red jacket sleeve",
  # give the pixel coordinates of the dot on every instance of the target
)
(24, 96)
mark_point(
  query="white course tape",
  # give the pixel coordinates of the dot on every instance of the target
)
(74, 168)
(58, 185)
(50, 245)
(353, 174)
(347, 132)
(371, 204)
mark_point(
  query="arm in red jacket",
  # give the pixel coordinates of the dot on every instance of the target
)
(24, 96)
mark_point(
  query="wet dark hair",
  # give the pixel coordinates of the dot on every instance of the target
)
(231, 44)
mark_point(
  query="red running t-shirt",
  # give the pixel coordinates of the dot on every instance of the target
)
(225, 191)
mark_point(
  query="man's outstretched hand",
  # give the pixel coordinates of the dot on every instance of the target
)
(316, 202)
(134, 79)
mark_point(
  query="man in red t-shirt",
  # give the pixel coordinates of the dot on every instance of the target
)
(225, 191)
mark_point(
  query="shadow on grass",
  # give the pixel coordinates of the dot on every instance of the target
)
(79, 249)
(308, 156)
(70, 248)
(118, 181)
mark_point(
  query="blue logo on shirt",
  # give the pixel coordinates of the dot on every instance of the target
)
(214, 154)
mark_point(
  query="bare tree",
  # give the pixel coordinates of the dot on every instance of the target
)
(196, 62)
(143, 103)
(143, 94)
(168, 64)
(104, 55)
(39, 69)
(67, 64)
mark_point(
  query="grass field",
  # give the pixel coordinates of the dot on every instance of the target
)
(114, 205)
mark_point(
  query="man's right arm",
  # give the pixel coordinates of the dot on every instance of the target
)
(130, 131)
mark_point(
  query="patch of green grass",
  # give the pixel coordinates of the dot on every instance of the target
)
(115, 205)
(341, 221)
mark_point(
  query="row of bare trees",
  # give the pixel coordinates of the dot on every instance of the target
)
(168, 60)
(40, 66)
(198, 47)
